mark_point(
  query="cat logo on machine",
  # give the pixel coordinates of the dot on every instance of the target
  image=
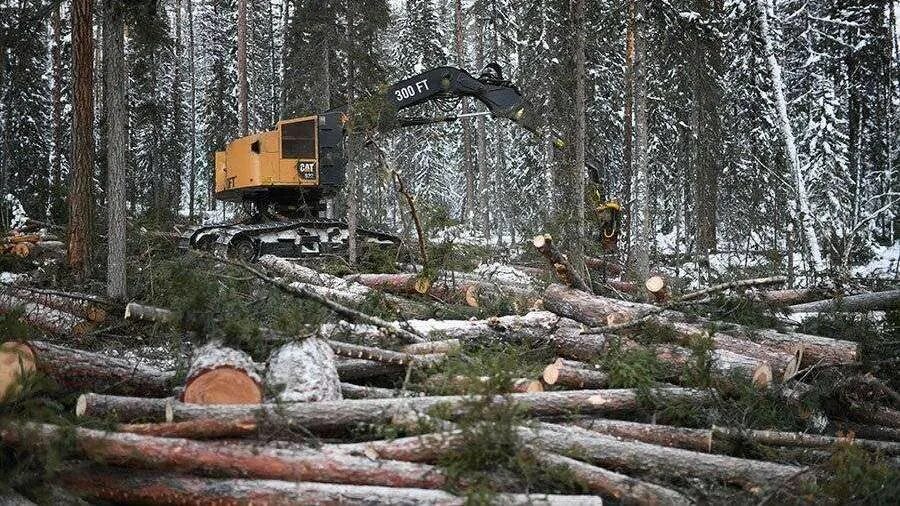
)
(306, 171)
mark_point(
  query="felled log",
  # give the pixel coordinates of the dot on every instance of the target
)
(421, 448)
(788, 297)
(351, 391)
(876, 415)
(595, 311)
(303, 274)
(229, 459)
(427, 348)
(564, 270)
(877, 432)
(45, 318)
(130, 487)
(861, 302)
(404, 284)
(602, 264)
(221, 375)
(464, 384)
(723, 364)
(603, 450)
(351, 369)
(386, 356)
(658, 288)
(622, 286)
(16, 361)
(193, 429)
(716, 438)
(340, 415)
(574, 374)
(304, 371)
(741, 283)
(77, 370)
(135, 311)
(624, 489)
(123, 409)
(76, 305)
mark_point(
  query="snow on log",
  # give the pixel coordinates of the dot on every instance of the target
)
(386, 356)
(731, 285)
(135, 311)
(132, 487)
(625, 489)
(574, 374)
(227, 459)
(221, 375)
(79, 305)
(304, 371)
(876, 301)
(78, 370)
(342, 415)
(603, 450)
(403, 284)
(595, 310)
(193, 429)
(430, 347)
(564, 270)
(123, 409)
(303, 274)
(43, 317)
(351, 391)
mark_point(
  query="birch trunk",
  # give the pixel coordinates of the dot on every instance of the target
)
(805, 219)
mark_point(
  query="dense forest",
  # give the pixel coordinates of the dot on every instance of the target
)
(641, 251)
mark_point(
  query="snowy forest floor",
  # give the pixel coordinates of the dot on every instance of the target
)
(227, 304)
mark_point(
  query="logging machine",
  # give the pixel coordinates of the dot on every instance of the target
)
(284, 177)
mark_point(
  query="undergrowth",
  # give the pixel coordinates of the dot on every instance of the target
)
(854, 476)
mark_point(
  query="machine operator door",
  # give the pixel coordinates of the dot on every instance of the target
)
(299, 148)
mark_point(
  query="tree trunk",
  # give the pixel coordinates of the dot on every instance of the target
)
(484, 187)
(76, 304)
(393, 283)
(220, 375)
(753, 475)
(467, 169)
(564, 268)
(805, 218)
(351, 391)
(80, 189)
(123, 409)
(304, 371)
(330, 416)
(116, 117)
(624, 489)
(641, 189)
(194, 429)
(192, 179)
(445, 346)
(56, 96)
(77, 370)
(574, 374)
(628, 126)
(242, 65)
(877, 301)
(230, 460)
(357, 369)
(386, 356)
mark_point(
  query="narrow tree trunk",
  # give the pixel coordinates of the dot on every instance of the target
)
(884, 301)
(56, 154)
(484, 188)
(242, 65)
(805, 218)
(122, 409)
(194, 429)
(641, 189)
(467, 169)
(192, 178)
(80, 189)
(114, 53)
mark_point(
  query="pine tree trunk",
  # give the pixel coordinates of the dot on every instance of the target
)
(625, 180)
(242, 65)
(805, 218)
(56, 96)
(192, 177)
(484, 192)
(80, 194)
(459, 29)
(114, 52)
(641, 208)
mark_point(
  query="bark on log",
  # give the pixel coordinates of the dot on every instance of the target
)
(716, 439)
(574, 374)
(564, 270)
(230, 460)
(303, 274)
(422, 448)
(602, 264)
(221, 375)
(135, 311)
(77, 306)
(123, 409)
(595, 310)
(624, 489)
(741, 283)
(304, 371)
(444, 346)
(77, 370)
(753, 475)
(875, 432)
(132, 487)
(194, 429)
(862, 302)
(45, 318)
(351, 391)
(404, 284)
(357, 369)
(16, 360)
(341, 415)
(466, 384)
(386, 356)
(788, 297)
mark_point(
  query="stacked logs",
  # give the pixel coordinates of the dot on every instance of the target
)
(56, 312)
(235, 429)
(24, 245)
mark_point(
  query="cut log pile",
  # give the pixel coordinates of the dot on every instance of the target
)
(32, 244)
(303, 422)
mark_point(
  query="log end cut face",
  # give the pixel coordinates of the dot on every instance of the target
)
(16, 359)
(223, 385)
